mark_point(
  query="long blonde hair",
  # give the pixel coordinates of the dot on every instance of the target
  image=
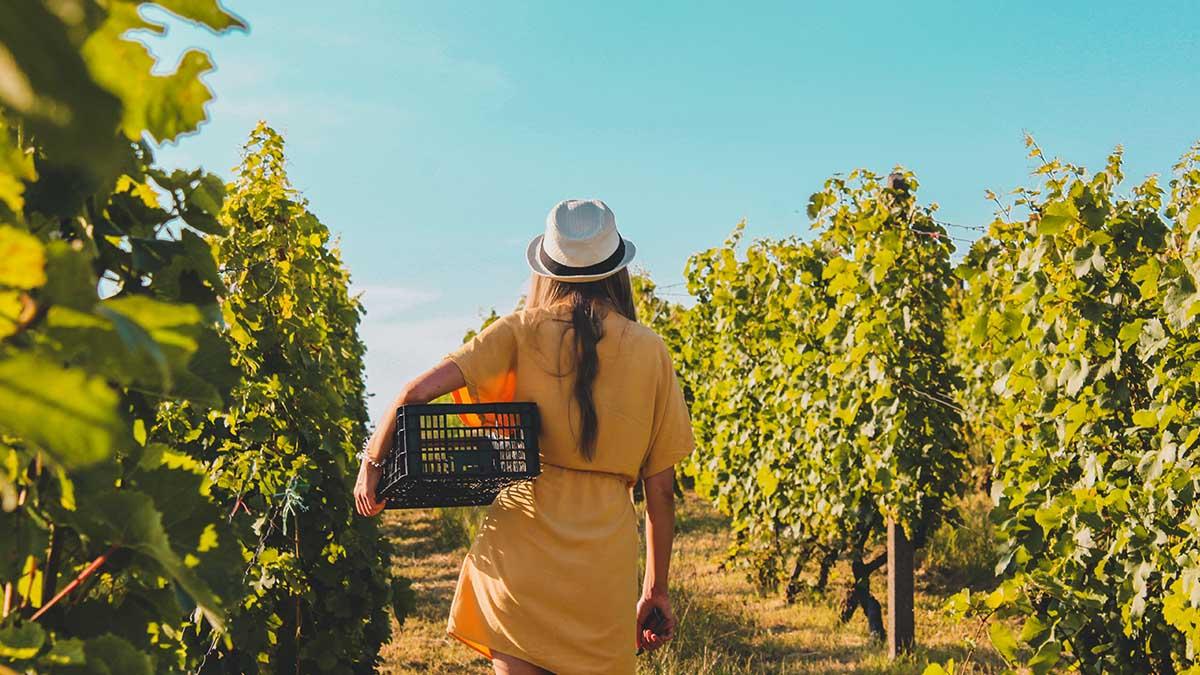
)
(590, 302)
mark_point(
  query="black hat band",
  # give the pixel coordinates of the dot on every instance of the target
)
(606, 265)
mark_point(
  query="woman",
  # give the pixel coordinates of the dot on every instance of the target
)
(550, 583)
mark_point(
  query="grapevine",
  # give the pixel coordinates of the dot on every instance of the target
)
(806, 365)
(113, 550)
(1079, 344)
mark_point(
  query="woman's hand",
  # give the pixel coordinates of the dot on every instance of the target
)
(441, 379)
(653, 634)
(364, 490)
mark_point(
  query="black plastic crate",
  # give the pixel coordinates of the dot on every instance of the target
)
(459, 454)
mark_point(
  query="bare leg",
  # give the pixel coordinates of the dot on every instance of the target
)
(511, 665)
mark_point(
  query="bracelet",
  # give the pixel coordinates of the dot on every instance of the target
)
(366, 458)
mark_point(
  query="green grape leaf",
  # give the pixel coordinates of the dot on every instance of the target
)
(1033, 628)
(198, 533)
(22, 259)
(203, 204)
(767, 480)
(11, 307)
(110, 343)
(16, 166)
(129, 519)
(191, 273)
(1051, 225)
(1049, 517)
(1182, 299)
(21, 641)
(11, 190)
(208, 13)
(1081, 256)
(202, 221)
(1130, 333)
(165, 106)
(44, 80)
(65, 652)
(1146, 418)
(1003, 640)
(70, 281)
(68, 413)
(210, 373)
(111, 655)
(164, 347)
(1146, 277)
(22, 538)
(1078, 377)
(1046, 657)
(208, 195)
(138, 343)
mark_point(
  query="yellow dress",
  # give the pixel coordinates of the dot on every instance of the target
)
(552, 576)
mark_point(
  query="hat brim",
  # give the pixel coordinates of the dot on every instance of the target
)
(535, 263)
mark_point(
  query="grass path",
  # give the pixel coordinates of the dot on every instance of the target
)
(725, 627)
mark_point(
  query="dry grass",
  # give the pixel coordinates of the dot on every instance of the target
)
(725, 626)
(429, 554)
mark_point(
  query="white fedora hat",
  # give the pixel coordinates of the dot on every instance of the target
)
(581, 243)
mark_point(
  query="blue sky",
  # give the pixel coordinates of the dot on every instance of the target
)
(433, 137)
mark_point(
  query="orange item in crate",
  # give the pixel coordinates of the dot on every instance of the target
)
(502, 390)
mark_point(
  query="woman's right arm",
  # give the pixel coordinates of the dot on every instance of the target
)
(437, 381)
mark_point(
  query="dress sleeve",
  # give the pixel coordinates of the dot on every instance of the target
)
(488, 363)
(671, 436)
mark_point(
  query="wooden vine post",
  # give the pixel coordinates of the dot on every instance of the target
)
(900, 591)
(900, 555)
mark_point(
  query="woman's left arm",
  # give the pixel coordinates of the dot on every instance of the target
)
(660, 532)
(437, 381)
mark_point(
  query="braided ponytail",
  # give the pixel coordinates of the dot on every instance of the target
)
(589, 302)
(588, 330)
